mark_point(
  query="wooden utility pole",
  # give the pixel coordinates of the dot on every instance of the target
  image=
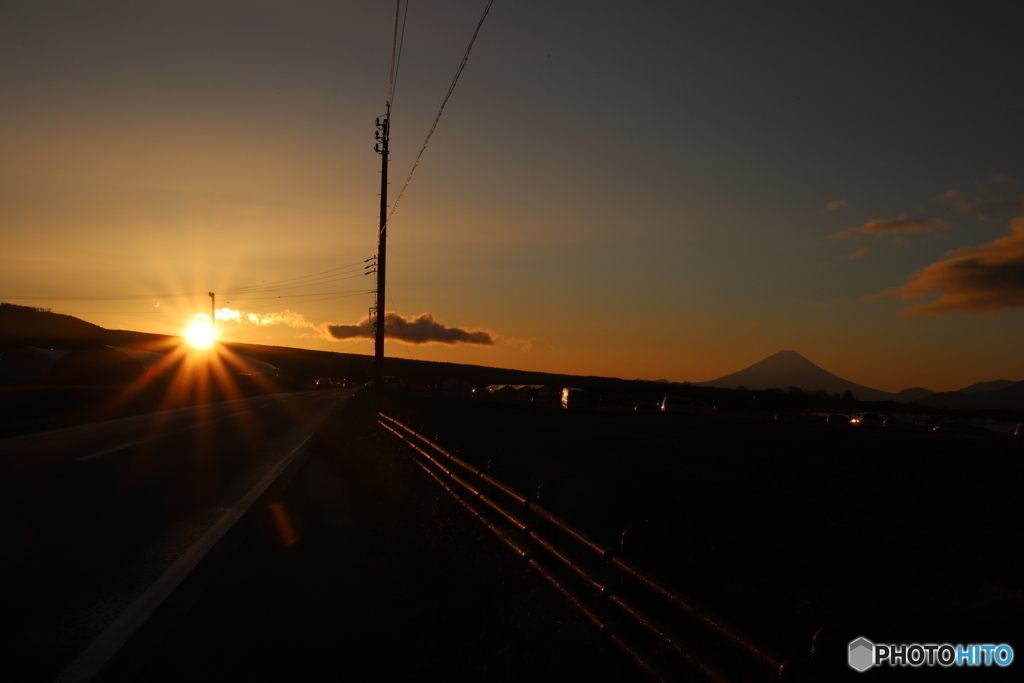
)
(383, 131)
(213, 313)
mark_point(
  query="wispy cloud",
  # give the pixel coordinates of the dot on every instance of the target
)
(901, 225)
(228, 314)
(860, 253)
(954, 198)
(837, 204)
(422, 329)
(287, 317)
(982, 208)
(523, 344)
(980, 281)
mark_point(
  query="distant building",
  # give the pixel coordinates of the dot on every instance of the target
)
(514, 392)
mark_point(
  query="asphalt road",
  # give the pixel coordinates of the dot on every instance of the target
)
(91, 517)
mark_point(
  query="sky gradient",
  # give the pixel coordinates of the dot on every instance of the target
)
(660, 191)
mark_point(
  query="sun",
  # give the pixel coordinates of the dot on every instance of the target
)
(200, 334)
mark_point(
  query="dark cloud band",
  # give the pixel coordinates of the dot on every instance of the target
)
(422, 329)
(978, 281)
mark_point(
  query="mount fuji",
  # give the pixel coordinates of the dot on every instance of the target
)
(789, 369)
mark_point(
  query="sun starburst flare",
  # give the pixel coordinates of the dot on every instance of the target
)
(200, 334)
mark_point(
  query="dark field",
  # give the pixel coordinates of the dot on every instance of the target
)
(39, 407)
(779, 528)
(782, 528)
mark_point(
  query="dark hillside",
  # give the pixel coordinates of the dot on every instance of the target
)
(27, 326)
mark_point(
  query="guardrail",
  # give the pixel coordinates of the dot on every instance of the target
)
(546, 543)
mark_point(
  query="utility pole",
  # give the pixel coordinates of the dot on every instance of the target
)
(213, 313)
(381, 135)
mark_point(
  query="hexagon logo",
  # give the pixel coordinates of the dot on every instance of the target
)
(862, 654)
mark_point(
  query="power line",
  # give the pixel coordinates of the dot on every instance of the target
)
(437, 118)
(361, 341)
(301, 277)
(319, 278)
(396, 54)
(325, 296)
(117, 313)
(311, 301)
(119, 297)
(294, 296)
(312, 283)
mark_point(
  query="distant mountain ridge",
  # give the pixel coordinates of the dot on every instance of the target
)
(1004, 398)
(789, 369)
(22, 326)
(911, 395)
(27, 326)
(982, 387)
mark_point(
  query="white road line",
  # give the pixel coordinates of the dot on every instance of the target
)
(123, 446)
(16, 441)
(99, 652)
(152, 438)
(109, 450)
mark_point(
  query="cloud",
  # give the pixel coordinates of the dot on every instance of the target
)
(978, 281)
(1000, 179)
(422, 329)
(837, 204)
(285, 317)
(956, 199)
(860, 253)
(988, 206)
(981, 209)
(228, 314)
(903, 224)
(523, 344)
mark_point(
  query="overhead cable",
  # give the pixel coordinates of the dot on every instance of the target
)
(322, 277)
(396, 53)
(437, 118)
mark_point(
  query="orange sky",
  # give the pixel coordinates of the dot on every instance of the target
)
(602, 195)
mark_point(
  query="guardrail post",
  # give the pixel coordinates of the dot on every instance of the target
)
(547, 494)
(636, 545)
(828, 648)
(495, 467)
(798, 671)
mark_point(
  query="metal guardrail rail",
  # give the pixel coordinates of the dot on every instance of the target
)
(532, 542)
